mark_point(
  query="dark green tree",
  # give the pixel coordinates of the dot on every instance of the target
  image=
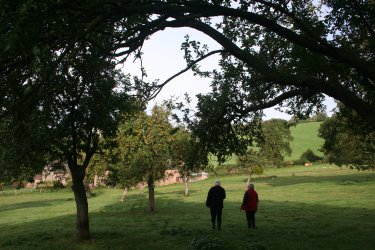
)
(277, 53)
(275, 143)
(84, 103)
(347, 140)
(187, 156)
(23, 148)
(309, 156)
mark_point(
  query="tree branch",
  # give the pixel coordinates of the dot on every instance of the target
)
(160, 86)
(204, 10)
(277, 100)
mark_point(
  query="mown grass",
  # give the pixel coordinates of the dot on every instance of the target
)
(319, 207)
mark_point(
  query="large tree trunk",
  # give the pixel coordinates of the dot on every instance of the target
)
(187, 182)
(124, 194)
(82, 222)
(151, 194)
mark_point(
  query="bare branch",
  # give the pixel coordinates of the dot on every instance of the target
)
(160, 86)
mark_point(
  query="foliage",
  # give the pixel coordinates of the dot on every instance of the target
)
(23, 148)
(145, 145)
(274, 53)
(319, 117)
(58, 185)
(285, 53)
(275, 143)
(252, 161)
(187, 155)
(84, 103)
(348, 141)
(205, 243)
(309, 156)
(145, 149)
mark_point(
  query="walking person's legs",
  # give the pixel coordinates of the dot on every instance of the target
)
(252, 219)
(219, 213)
(213, 217)
(248, 218)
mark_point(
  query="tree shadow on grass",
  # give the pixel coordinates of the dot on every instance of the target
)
(33, 204)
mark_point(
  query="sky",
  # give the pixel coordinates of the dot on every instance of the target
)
(163, 58)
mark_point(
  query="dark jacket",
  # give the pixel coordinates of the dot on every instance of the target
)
(250, 200)
(215, 197)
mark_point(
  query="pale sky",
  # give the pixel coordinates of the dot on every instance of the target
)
(163, 58)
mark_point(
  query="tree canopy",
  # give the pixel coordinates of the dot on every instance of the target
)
(274, 53)
(283, 53)
(348, 140)
(145, 148)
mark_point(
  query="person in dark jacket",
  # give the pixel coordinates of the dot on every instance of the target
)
(215, 201)
(250, 205)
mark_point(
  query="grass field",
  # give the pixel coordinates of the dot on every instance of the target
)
(305, 136)
(318, 207)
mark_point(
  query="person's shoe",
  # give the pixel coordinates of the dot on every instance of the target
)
(219, 226)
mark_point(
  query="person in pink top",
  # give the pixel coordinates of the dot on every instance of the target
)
(250, 205)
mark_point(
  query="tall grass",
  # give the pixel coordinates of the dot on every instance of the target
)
(319, 207)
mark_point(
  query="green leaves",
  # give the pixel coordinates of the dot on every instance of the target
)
(348, 140)
(275, 144)
(145, 145)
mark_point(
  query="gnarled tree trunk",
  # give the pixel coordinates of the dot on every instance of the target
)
(82, 221)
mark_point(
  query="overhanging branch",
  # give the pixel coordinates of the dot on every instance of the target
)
(160, 86)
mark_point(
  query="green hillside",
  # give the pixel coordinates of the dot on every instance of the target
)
(305, 136)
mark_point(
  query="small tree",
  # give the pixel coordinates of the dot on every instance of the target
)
(252, 161)
(187, 156)
(145, 144)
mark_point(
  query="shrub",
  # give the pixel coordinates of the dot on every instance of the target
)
(257, 169)
(57, 185)
(204, 243)
(309, 156)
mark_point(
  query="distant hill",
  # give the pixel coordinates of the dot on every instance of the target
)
(305, 136)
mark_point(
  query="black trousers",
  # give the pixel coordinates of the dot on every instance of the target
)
(250, 217)
(216, 214)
